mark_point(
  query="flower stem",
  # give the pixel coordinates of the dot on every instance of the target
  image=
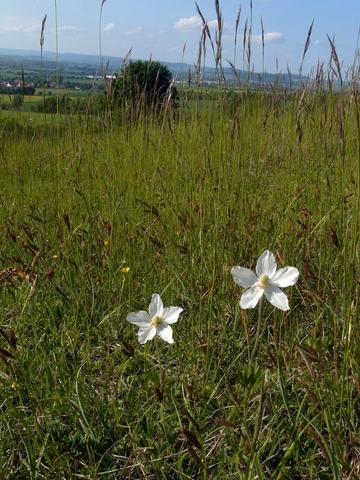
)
(258, 328)
(161, 382)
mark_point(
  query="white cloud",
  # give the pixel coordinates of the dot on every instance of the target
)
(70, 28)
(214, 23)
(109, 27)
(133, 32)
(192, 23)
(186, 24)
(173, 49)
(17, 24)
(271, 37)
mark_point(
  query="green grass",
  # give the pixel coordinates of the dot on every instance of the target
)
(180, 201)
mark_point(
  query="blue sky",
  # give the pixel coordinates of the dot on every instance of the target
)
(169, 30)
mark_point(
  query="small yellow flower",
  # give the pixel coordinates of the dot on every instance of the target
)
(54, 256)
(15, 386)
(125, 269)
(105, 242)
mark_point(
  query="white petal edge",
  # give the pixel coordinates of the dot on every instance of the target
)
(141, 318)
(276, 297)
(165, 332)
(266, 264)
(146, 333)
(171, 314)
(285, 277)
(156, 305)
(250, 298)
(243, 276)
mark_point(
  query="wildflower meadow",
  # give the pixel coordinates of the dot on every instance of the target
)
(179, 288)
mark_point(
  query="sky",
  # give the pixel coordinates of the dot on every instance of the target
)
(170, 30)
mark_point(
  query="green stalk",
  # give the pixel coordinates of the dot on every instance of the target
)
(258, 328)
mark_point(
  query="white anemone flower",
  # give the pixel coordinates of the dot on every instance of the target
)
(157, 321)
(266, 281)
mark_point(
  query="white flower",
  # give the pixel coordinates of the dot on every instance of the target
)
(157, 321)
(267, 281)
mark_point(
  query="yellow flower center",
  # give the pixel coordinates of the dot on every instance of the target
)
(156, 320)
(264, 280)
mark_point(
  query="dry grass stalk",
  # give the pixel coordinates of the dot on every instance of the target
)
(319, 443)
(194, 456)
(306, 47)
(42, 32)
(201, 49)
(248, 53)
(11, 338)
(207, 30)
(334, 58)
(236, 28)
(232, 393)
(5, 355)
(272, 357)
(183, 52)
(191, 438)
(244, 39)
(311, 394)
(298, 115)
(191, 419)
(342, 136)
(263, 46)
(218, 35)
(319, 77)
(225, 423)
(205, 23)
(290, 76)
(260, 412)
(205, 33)
(308, 364)
(233, 69)
(107, 85)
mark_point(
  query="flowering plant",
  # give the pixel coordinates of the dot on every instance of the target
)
(157, 321)
(267, 281)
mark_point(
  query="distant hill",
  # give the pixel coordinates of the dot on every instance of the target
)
(62, 57)
(180, 70)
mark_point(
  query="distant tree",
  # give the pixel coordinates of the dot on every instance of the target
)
(18, 101)
(138, 81)
(55, 105)
(29, 90)
(56, 77)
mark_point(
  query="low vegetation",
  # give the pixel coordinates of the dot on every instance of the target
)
(99, 211)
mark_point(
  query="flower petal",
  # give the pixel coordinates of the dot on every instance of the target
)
(250, 298)
(165, 332)
(146, 333)
(156, 305)
(141, 319)
(276, 297)
(171, 314)
(244, 277)
(266, 264)
(285, 277)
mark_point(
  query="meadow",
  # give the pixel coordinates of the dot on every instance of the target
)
(99, 213)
